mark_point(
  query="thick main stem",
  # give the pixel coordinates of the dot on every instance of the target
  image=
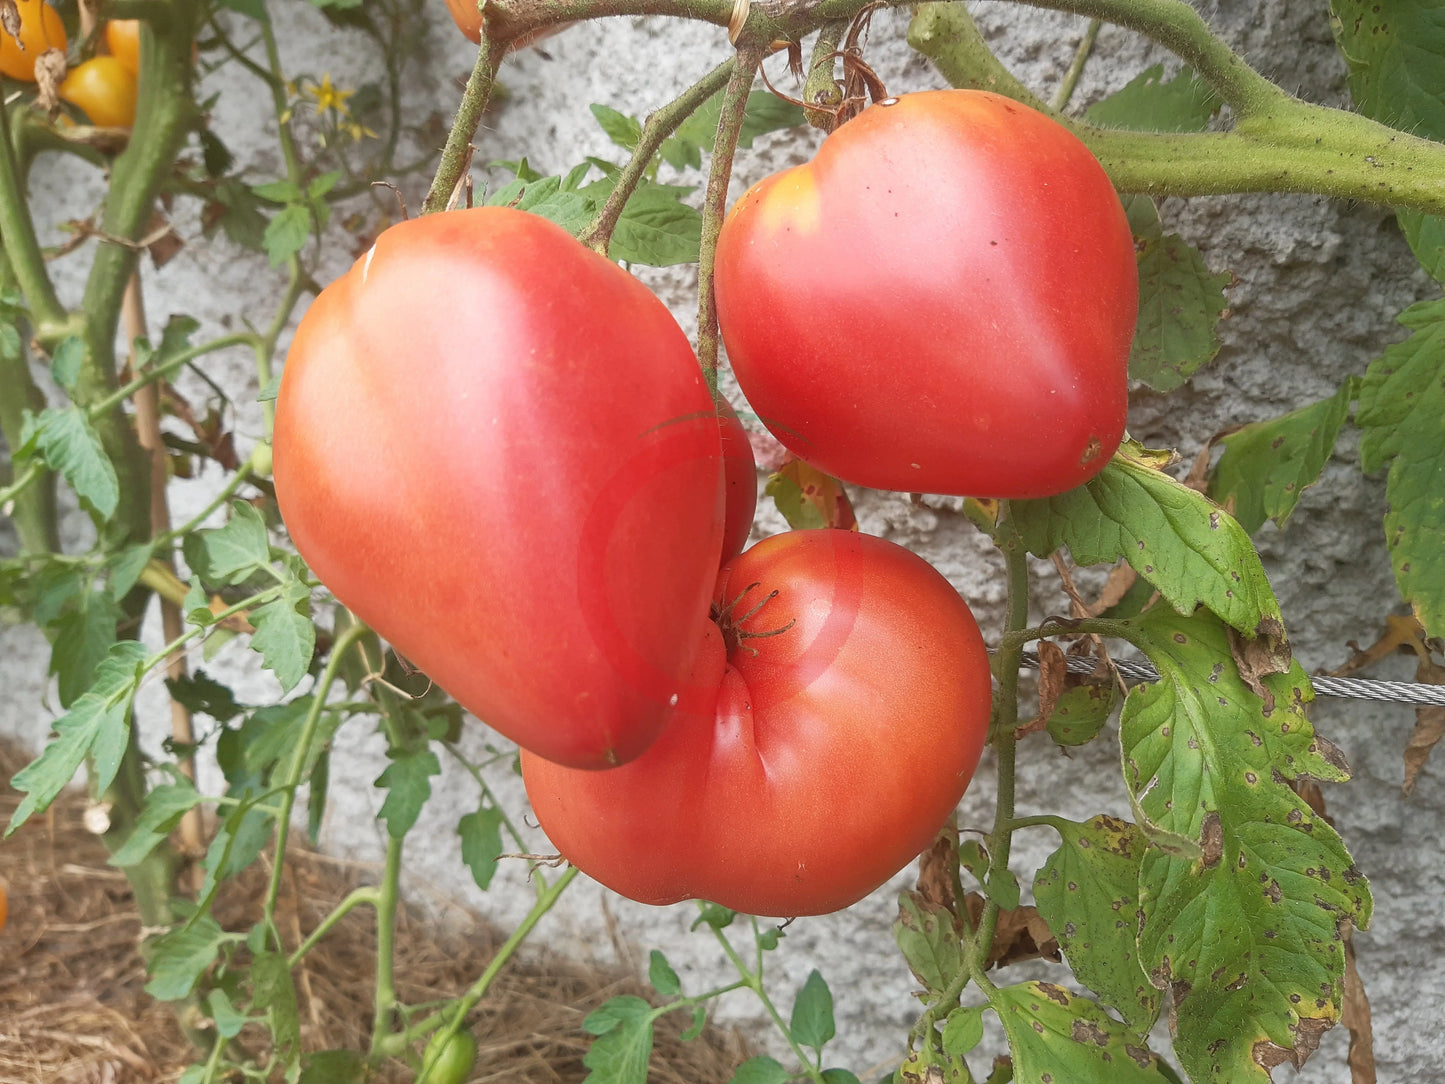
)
(457, 152)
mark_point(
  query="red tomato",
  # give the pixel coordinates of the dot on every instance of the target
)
(942, 301)
(740, 473)
(104, 89)
(40, 29)
(808, 763)
(497, 448)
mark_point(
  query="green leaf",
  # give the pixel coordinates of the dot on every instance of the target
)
(98, 724)
(287, 233)
(663, 978)
(714, 916)
(1393, 53)
(481, 834)
(812, 1019)
(70, 446)
(800, 513)
(546, 197)
(67, 361)
(1247, 933)
(126, 567)
(84, 634)
(229, 554)
(285, 636)
(1082, 711)
(1149, 103)
(180, 957)
(623, 1047)
(274, 992)
(764, 113)
(1088, 893)
(228, 1020)
(1055, 1034)
(623, 130)
(1267, 465)
(761, 1070)
(333, 1066)
(1402, 413)
(242, 836)
(962, 1030)
(1181, 542)
(202, 694)
(1180, 303)
(699, 1023)
(656, 229)
(407, 786)
(839, 1076)
(161, 812)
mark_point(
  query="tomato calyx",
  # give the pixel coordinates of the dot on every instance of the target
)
(725, 616)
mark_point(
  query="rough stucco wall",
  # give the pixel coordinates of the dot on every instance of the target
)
(1319, 283)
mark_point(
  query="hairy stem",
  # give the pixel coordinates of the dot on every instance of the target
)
(1076, 66)
(659, 126)
(729, 126)
(457, 152)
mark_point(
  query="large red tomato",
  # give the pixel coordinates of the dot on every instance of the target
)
(740, 475)
(497, 448)
(812, 757)
(942, 301)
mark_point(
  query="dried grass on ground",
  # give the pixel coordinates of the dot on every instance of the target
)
(73, 1008)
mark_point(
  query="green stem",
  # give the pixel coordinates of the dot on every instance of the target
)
(299, 756)
(545, 901)
(714, 207)
(388, 896)
(22, 246)
(659, 126)
(821, 87)
(1076, 67)
(275, 78)
(457, 152)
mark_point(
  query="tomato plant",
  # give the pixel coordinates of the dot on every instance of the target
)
(941, 301)
(836, 715)
(122, 38)
(40, 29)
(521, 489)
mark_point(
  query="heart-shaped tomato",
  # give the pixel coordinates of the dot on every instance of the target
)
(497, 448)
(942, 301)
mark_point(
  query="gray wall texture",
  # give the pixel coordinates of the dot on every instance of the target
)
(1319, 283)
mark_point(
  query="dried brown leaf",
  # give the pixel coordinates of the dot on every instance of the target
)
(938, 869)
(1429, 724)
(1121, 578)
(1355, 1015)
(1402, 633)
(1053, 676)
(10, 21)
(1021, 934)
(50, 69)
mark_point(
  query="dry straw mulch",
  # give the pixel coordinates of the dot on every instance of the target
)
(73, 1008)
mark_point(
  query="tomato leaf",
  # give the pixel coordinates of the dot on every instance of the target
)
(1088, 893)
(1246, 934)
(657, 229)
(274, 992)
(180, 957)
(928, 940)
(548, 197)
(202, 694)
(812, 1019)
(285, 636)
(126, 568)
(1150, 103)
(699, 1023)
(809, 498)
(623, 130)
(83, 635)
(1267, 465)
(71, 447)
(481, 834)
(1081, 713)
(242, 836)
(162, 811)
(229, 554)
(1402, 412)
(97, 725)
(764, 113)
(66, 362)
(839, 1076)
(623, 1047)
(1056, 1034)
(333, 1067)
(761, 1070)
(1180, 541)
(1392, 51)
(406, 780)
(663, 978)
(962, 1030)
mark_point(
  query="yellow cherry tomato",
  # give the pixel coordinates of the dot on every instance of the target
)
(122, 38)
(104, 89)
(40, 29)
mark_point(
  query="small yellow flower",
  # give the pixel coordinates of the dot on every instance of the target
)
(329, 97)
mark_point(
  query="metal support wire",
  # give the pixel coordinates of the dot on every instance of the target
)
(1397, 692)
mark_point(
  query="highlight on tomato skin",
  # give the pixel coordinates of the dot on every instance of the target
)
(943, 300)
(834, 721)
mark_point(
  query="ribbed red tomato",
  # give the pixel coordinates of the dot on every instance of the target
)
(812, 757)
(943, 300)
(497, 448)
